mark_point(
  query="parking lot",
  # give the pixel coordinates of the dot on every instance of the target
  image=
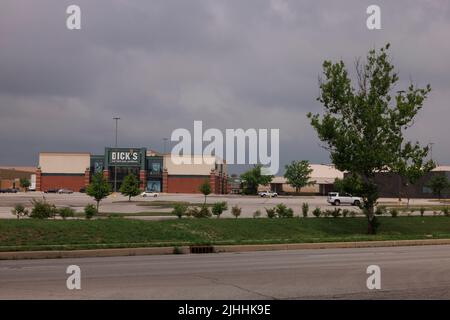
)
(119, 204)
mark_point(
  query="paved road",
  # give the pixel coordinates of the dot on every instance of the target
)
(407, 273)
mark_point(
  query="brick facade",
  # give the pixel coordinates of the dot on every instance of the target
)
(72, 182)
(184, 184)
(38, 179)
(143, 179)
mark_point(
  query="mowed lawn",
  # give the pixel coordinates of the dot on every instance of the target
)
(29, 234)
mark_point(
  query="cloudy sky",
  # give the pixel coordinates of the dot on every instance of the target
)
(161, 64)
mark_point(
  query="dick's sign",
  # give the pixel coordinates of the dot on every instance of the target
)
(124, 157)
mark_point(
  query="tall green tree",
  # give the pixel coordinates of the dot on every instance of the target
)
(253, 178)
(25, 183)
(205, 189)
(351, 184)
(363, 127)
(130, 186)
(99, 188)
(298, 174)
(438, 184)
(411, 165)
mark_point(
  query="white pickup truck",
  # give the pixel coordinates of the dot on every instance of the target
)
(337, 199)
(268, 194)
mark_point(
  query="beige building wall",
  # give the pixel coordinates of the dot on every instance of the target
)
(189, 167)
(60, 162)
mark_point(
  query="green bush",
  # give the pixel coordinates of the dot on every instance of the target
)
(317, 212)
(380, 210)
(345, 213)
(353, 214)
(192, 212)
(90, 210)
(336, 213)
(66, 212)
(271, 213)
(19, 211)
(218, 208)
(42, 209)
(179, 210)
(305, 209)
(283, 211)
(236, 211)
(257, 214)
(445, 211)
(202, 212)
(394, 213)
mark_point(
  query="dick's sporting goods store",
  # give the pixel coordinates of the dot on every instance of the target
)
(155, 171)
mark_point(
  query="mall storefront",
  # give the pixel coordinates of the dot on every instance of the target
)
(156, 172)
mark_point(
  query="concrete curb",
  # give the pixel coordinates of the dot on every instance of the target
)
(15, 255)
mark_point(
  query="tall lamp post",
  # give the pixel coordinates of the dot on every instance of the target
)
(165, 141)
(115, 167)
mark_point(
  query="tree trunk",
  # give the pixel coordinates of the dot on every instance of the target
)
(98, 204)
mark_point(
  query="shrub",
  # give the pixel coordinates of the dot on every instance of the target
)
(353, 214)
(218, 208)
(192, 212)
(257, 214)
(445, 211)
(90, 210)
(336, 213)
(345, 213)
(42, 209)
(283, 211)
(317, 213)
(305, 209)
(327, 213)
(271, 213)
(66, 212)
(236, 211)
(19, 211)
(380, 210)
(202, 212)
(179, 210)
(394, 212)
(422, 211)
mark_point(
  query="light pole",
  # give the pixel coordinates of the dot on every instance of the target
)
(165, 140)
(115, 167)
(431, 150)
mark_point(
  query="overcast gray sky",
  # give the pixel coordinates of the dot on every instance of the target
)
(161, 64)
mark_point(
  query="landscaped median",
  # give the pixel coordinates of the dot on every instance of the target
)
(54, 235)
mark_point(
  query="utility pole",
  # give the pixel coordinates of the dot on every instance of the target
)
(115, 167)
(431, 150)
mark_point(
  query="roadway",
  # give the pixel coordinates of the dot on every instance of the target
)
(406, 273)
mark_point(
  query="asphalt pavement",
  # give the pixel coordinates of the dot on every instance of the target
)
(420, 272)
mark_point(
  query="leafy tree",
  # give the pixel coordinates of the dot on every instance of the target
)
(438, 183)
(362, 127)
(179, 209)
(298, 174)
(218, 208)
(205, 188)
(253, 178)
(351, 183)
(411, 165)
(25, 183)
(99, 188)
(130, 186)
(236, 211)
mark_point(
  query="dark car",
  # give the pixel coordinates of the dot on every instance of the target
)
(51, 191)
(9, 190)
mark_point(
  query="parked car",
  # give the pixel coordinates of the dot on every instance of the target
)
(65, 191)
(149, 194)
(268, 193)
(51, 191)
(336, 199)
(9, 190)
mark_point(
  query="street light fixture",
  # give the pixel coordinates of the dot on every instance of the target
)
(115, 167)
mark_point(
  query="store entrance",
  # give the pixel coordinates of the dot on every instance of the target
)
(122, 172)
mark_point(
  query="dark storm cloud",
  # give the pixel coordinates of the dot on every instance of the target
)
(162, 64)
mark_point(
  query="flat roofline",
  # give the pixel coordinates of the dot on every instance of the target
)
(63, 152)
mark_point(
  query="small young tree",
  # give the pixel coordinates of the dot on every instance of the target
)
(218, 208)
(437, 184)
(90, 210)
(99, 188)
(305, 209)
(25, 183)
(205, 189)
(298, 174)
(19, 210)
(236, 211)
(130, 186)
(179, 209)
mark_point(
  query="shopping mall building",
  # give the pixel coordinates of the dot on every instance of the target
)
(157, 172)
